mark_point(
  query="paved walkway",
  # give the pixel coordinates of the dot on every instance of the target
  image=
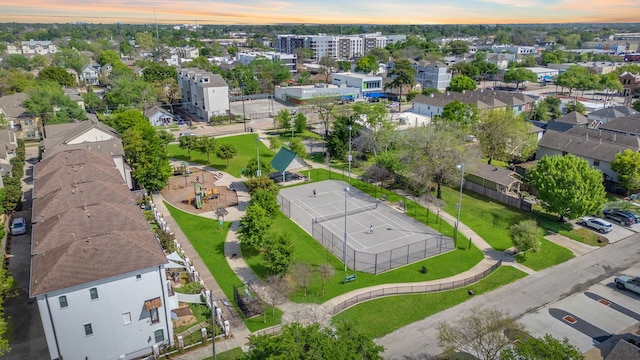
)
(294, 311)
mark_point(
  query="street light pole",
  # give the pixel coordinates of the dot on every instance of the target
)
(346, 191)
(350, 128)
(459, 205)
(259, 171)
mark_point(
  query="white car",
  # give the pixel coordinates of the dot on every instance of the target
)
(18, 226)
(187, 134)
(601, 226)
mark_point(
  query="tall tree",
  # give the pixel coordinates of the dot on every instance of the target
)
(567, 186)
(504, 136)
(48, 100)
(169, 92)
(480, 334)
(519, 75)
(206, 145)
(57, 74)
(543, 348)
(327, 64)
(526, 236)
(403, 74)
(367, 64)
(298, 147)
(302, 275)
(295, 341)
(432, 153)
(326, 272)
(254, 226)
(227, 152)
(380, 128)
(189, 143)
(323, 105)
(278, 252)
(627, 166)
(462, 83)
(459, 113)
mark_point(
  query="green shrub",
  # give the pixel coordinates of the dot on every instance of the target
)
(190, 288)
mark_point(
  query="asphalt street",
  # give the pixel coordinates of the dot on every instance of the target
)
(525, 296)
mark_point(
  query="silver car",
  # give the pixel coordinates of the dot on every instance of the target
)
(601, 226)
(18, 226)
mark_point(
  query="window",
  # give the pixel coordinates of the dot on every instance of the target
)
(596, 162)
(154, 316)
(159, 335)
(94, 293)
(63, 302)
(126, 318)
(88, 330)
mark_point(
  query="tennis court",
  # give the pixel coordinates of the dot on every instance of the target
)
(396, 239)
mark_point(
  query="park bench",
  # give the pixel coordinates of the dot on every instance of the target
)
(349, 278)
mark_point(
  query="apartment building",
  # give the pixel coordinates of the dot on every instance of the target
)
(335, 46)
(432, 75)
(97, 271)
(288, 60)
(33, 47)
(203, 93)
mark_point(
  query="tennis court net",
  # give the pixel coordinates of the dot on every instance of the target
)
(349, 212)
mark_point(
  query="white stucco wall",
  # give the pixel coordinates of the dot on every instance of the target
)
(111, 336)
(216, 100)
(428, 110)
(92, 135)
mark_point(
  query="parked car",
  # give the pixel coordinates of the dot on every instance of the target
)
(629, 283)
(18, 226)
(186, 133)
(619, 217)
(634, 215)
(599, 225)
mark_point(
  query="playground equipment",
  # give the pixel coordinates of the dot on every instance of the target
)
(197, 187)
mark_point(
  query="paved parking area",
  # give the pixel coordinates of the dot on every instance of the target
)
(589, 317)
(618, 233)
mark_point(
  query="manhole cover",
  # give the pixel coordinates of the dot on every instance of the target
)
(604, 302)
(570, 319)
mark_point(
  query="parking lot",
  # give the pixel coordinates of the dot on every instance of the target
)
(594, 317)
(618, 233)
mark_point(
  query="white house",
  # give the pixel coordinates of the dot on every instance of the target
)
(90, 75)
(97, 271)
(203, 93)
(158, 116)
(288, 60)
(432, 75)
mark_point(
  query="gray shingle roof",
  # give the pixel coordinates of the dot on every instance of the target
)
(615, 112)
(86, 228)
(625, 125)
(574, 118)
(492, 173)
(482, 99)
(59, 134)
(12, 105)
(581, 145)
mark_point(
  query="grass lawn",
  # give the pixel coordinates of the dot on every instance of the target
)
(201, 313)
(233, 354)
(246, 150)
(309, 251)
(549, 254)
(407, 309)
(208, 242)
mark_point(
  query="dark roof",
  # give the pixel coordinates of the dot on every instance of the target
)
(492, 173)
(558, 126)
(482, 99)
(111, 147)
(12, 105)
(625, 125)
(582, 145)
(155, 109)
(624, 350)
(609, 136)
(615, 112)
(85, 228)
(574, 118)
(539, 124)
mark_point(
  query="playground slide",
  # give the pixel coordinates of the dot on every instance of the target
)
(198, 201)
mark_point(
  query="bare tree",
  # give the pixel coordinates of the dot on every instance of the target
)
(302, 276)
(273, 291)
(324, 105)
(378, 174)
(481, 334)
(327, 64)
(326, 272)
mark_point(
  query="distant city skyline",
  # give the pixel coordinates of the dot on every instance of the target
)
(321, 12)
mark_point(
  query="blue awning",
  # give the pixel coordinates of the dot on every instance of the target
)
(347, 97)
(374, 95)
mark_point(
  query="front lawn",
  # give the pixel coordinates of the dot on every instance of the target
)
(393, 312)
(246, 145)
(549, 254)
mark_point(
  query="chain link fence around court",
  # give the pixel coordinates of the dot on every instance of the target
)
(433, 245)
(413, 289)
(285, 205)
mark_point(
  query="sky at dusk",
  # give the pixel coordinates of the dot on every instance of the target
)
(320, 11)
